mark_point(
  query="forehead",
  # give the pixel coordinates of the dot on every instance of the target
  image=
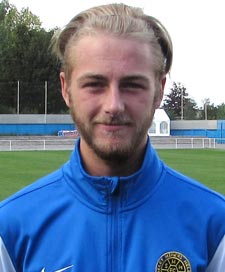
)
(109, 54)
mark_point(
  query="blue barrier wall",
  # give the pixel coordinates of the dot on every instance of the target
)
(221, 131)
(33, 129)
(208, 133)
(52, 129)
(221, 128)
(198, 128)
(23, 124)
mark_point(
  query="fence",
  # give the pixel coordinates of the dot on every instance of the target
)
(54, 143)
(36, 144)
(29, 97)
(189, 143)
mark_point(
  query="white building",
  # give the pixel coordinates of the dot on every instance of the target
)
(160, 124)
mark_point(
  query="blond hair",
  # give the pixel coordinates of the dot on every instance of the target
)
(120, 20)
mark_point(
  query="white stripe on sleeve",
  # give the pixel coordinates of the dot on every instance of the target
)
(217, 263)
(5, 261)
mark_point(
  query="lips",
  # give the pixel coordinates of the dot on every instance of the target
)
(113, 127)
(114, 124)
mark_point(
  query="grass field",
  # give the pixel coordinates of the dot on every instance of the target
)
(204, 165)
(20, 168)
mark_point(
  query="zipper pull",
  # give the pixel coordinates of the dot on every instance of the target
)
(114, 182)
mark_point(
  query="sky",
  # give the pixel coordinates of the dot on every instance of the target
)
(196, 28)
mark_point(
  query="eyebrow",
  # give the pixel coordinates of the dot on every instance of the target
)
(135, 77)
(91, 76)
(103, 78)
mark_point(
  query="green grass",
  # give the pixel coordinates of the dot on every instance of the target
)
(21, 168)
(204, 165)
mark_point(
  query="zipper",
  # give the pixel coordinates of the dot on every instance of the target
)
(114, 227)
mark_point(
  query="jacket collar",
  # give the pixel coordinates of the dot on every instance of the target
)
(130, 191)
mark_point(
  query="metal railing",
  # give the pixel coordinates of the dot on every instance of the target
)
(54, 143)
(189, 143)
(36, 144)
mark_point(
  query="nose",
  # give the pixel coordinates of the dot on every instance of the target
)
(114, 101)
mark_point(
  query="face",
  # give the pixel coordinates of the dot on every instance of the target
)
(112, 95)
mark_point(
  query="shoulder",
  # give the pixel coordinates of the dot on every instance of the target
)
(189, 186)
(194, 198)
(30, 207)
(197, 205)
(32, 193)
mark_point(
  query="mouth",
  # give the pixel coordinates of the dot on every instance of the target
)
(113, 127)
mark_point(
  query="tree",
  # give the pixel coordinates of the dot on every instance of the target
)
(178, 105)
(190, 109)
(7, 11)
(25, 57)
(209, 111)
(221, 112)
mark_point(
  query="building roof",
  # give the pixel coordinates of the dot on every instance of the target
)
(161, 115)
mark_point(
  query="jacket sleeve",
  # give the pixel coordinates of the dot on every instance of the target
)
(5, 261)
(217, 263)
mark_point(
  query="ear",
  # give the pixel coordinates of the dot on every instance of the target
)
(64, 89)
(159, 97)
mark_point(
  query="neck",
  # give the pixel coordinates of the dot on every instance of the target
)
(97, 166)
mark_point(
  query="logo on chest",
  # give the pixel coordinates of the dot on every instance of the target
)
(173, 262)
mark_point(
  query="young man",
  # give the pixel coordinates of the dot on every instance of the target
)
(115, 206)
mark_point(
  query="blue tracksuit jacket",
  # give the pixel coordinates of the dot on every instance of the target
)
(155, 220)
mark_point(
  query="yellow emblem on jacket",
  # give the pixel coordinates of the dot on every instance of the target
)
(173, 262)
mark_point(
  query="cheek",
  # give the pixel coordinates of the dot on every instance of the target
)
(148, 109)
(139, 107)
(146, 101)
(157, 101)
(84, 107)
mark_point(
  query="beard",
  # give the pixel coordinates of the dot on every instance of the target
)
(118, 151)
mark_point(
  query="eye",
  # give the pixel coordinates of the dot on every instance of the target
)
(133, 86)
(93, 84)
(93, 87)
(134, 83)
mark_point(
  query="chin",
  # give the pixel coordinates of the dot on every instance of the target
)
(118, 152)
